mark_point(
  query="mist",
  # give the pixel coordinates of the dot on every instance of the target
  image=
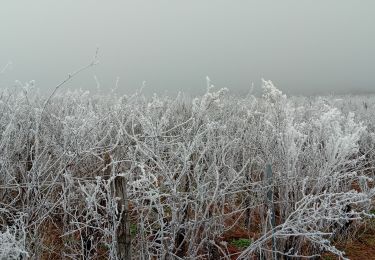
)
(304, 47)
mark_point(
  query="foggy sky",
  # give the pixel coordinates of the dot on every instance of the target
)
(304, 47)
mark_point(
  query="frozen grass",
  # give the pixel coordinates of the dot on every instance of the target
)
(194, 172)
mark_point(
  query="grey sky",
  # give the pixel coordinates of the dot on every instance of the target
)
(303, 46)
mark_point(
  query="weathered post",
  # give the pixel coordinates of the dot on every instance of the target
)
(123, 238)
(123, 230)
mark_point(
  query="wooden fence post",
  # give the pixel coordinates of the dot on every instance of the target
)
(123, 230)
(123, 237)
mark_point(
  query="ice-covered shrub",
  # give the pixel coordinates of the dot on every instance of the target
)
(194, 171)
(13, 238)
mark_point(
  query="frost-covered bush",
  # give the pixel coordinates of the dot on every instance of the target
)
(12, 238)
(194, 171)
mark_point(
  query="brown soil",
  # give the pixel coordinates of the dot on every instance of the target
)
(361, 248)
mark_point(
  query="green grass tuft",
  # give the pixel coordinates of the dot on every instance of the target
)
(133, 230)
(241, 242)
